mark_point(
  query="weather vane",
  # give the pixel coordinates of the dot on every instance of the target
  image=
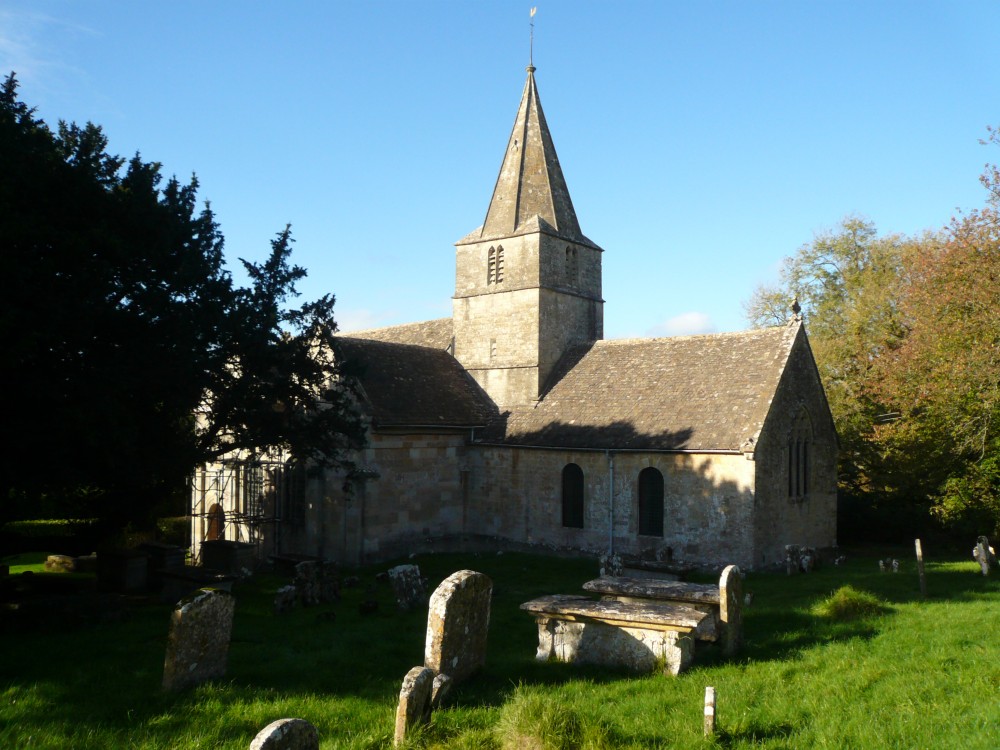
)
(531, 38)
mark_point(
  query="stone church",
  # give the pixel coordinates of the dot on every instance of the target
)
(513, 423)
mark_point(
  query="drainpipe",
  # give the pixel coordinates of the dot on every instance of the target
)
(611, 503)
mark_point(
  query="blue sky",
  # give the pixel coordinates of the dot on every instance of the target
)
(701, 142)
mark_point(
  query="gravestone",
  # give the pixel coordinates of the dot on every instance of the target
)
(317, 582)
(439, 691)
(984, 555)
(458, 619)
(611, 564)
(287, 734)
(198, 641)
(284, 599)
(414, 706)
(730, 609)
(60, 564)
(410, 589)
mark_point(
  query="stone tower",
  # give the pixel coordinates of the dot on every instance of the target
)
(527, 282)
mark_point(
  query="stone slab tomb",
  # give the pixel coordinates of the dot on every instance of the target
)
(198, 641)
(287, 734)
(638, 636)
(458, 619)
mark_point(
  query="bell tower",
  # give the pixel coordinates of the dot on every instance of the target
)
(527, 282)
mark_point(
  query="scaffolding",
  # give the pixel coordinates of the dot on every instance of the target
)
(240, 500)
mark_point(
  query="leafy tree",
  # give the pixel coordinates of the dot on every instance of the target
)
(130, 355)
(848, 283)
(944, 379)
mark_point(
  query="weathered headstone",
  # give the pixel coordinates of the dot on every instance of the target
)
(611, 564)
(439, 691)
(284, 599)
(414, 706)
(730, 609)
(198, 641)
(791, 559)
(317, 582)
(410, 589)
(287, 734)
(60, 564)
(984, 555)
(458, 619)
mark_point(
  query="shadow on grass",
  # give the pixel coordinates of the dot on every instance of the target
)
(309, 655)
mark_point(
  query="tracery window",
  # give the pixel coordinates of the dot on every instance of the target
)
(572, 496)
(650, 502)
(798, 459)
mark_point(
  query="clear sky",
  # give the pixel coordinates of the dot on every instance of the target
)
(701, 141)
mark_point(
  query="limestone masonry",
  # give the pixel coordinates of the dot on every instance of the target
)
(513, 423)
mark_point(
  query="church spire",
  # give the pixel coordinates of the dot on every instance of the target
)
(531, 182)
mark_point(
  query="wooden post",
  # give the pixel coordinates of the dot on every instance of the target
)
(920, 570)
(709, 711)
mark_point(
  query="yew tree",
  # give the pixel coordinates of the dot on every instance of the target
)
(120, 323)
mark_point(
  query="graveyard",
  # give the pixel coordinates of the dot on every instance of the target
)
(847, 655)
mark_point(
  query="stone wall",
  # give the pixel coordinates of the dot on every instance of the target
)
(516, 494)
(510, 334)
(419, 494)
(810, 520)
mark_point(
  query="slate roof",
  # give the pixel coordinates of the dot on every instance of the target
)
(415, 386)
(434, 333)
(696, 393)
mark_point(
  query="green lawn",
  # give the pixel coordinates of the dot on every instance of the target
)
(913, 675)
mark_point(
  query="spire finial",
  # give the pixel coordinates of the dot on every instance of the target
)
(531, 40)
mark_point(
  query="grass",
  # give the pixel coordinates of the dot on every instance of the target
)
(907, 674)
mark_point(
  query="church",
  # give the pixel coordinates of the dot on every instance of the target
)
(515, 424)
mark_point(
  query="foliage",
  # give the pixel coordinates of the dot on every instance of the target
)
(120, 323)
(801, 681)
(849, 283)
(532, 719)
(848, 603)
(944, 378)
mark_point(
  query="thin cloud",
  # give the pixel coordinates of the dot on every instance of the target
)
(685, 324)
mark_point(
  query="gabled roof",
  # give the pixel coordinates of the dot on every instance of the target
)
(434, 333)
(531, 182)
(413, 386)
(697, 393)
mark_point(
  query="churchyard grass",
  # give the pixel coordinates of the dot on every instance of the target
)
(908, 673)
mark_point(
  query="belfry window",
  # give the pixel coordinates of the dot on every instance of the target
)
(799, 445)
(572, 496)
(572, 266)
(650, 502)
(494, 270)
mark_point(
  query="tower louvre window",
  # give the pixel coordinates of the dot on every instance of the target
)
(494, 270)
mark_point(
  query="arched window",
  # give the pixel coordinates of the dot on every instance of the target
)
(798, 463)
(293, 493)
(216, 523)
(494, 265)
(650, 502)
(572, 496)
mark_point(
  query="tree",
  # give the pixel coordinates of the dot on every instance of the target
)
(944, 378)
(848, 283)
(120, 324)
